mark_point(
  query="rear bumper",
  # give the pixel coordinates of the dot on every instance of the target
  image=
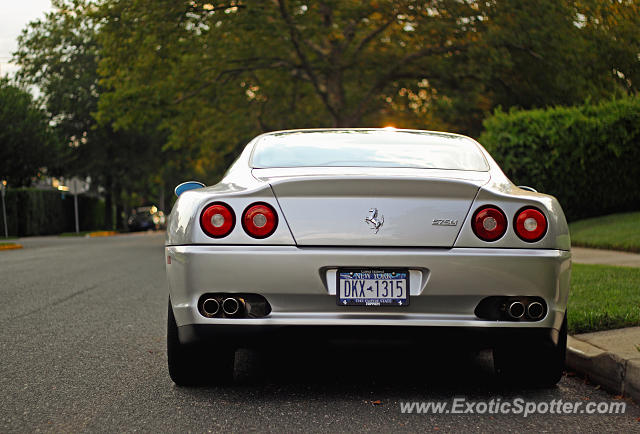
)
(446, 284)
(429, 337)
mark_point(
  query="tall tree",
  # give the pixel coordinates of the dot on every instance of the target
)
(614, 28)
(59, 54)
(210, 75)
(538, 55)
(215, 74)
(28, 145)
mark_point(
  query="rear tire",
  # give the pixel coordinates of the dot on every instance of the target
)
(532, 364)
(197, 364)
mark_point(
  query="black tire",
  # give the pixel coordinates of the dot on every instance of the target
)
(532, 364)
(197, 364)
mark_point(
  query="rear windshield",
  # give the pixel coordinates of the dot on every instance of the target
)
(363, 148)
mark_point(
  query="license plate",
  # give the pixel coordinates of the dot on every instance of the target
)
(375, 287)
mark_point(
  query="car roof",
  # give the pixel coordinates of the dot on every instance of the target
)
(357, 129)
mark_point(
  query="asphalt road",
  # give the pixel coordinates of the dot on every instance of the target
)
(82, 348)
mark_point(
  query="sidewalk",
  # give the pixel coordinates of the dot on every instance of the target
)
(582, 255)
(610, 358)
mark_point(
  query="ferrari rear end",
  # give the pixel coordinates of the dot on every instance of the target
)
(342, 233)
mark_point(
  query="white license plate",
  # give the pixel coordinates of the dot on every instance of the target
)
(375, 287)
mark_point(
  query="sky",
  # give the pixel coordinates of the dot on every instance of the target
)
(14, 16)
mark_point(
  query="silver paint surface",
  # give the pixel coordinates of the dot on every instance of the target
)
(322, 227)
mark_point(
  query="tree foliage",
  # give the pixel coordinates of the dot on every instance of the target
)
(212, 75)
(59, 55)
(585, 155)
(149, 92)
(614, 28)
(27, 143)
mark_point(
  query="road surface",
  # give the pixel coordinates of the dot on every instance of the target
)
(83, 349)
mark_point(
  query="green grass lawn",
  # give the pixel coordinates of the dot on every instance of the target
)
(603, 297)
(615, 231)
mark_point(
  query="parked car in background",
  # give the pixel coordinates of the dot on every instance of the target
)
(145, 218)
(364, 233)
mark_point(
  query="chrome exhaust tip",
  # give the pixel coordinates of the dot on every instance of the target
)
(210, 307)
(516, 310)
(535, 310)
(230, 306)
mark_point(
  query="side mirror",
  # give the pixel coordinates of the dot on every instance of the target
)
(186, 186)
(524, 187)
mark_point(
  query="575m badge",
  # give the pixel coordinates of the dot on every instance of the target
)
(444, 222)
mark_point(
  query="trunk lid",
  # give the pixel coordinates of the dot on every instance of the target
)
(374, 206)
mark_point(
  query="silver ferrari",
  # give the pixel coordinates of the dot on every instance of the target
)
(366, 232)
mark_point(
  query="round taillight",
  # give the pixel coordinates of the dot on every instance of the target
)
(217, 220)
(531, 225)
(489, 223)
(259, 220)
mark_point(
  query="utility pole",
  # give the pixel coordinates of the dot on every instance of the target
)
(75, 206)
(3, 187)
(76, 187)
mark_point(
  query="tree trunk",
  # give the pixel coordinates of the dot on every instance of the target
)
(120, 216)
(161, 202)
(108, 205)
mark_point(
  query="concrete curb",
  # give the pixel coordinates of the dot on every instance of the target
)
(11, 246)
(612, 371)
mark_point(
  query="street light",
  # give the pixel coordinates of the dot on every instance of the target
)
(3, 188)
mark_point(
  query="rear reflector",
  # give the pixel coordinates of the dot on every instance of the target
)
(217, 220)
(531, 224)
(489, 223)
(259, 220)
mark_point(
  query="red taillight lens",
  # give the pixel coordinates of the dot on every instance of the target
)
(217, 220)
(531, 225)
(489, 223)
(259, 220)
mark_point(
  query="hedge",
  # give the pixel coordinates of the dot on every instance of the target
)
(45, 212)
(587, 156)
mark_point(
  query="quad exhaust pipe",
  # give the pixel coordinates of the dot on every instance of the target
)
(516, 310)
(221, 305)
(231, 306)
(210, 307)
(535, 310)
(511, 308)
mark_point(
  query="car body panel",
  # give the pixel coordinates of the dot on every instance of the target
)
(322, 227)
(511, 200)
(184, 224)
(297, 282)
(324, 210)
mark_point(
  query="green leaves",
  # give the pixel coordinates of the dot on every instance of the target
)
(194, 81)
(27, 143)
(214, 77)
(60, 55)
(587, 156)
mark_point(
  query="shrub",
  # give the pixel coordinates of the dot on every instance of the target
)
(587, 156)
(46, 212)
